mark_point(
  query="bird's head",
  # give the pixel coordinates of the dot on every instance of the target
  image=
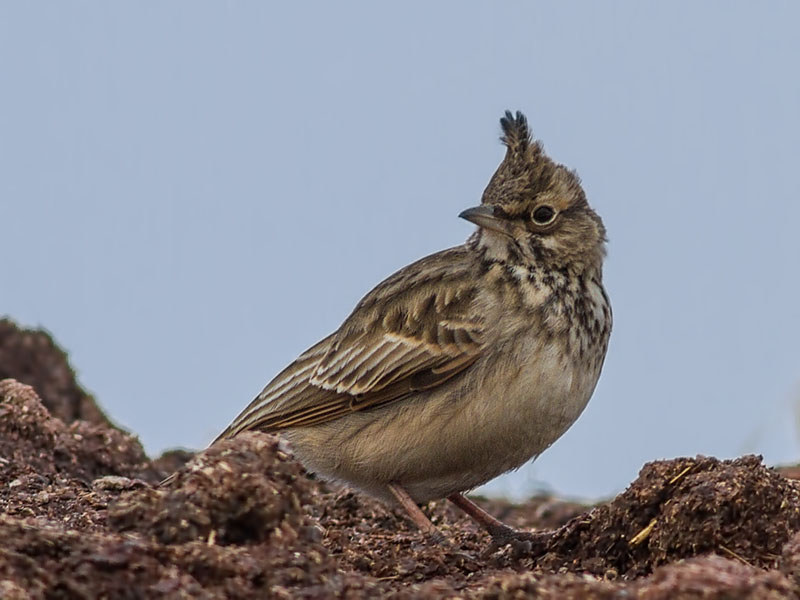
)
(536, 207)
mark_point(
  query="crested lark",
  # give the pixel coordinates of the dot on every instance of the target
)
(462, 365)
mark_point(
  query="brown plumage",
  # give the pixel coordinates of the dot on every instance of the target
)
(382, 353)
(466, 363)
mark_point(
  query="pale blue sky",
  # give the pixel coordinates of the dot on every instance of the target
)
(191, 193)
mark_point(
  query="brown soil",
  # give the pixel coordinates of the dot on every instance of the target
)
(81, 516)
(31, 356)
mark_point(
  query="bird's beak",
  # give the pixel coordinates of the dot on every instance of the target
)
(483, 216)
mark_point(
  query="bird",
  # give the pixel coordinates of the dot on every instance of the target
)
(465, 364)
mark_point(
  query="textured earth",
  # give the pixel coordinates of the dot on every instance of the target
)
(81, 516)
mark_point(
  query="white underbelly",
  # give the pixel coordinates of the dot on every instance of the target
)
(440, 443)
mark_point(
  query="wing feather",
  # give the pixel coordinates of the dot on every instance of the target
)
(413, 332)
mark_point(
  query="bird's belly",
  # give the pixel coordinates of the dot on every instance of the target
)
(453, 438)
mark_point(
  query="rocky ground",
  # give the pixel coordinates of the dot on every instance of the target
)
(81, 516)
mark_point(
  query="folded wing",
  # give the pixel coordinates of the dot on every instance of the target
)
(409, 334)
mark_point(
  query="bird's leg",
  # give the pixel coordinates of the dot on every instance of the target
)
(502, 534)
(416, 514)
(497, 529)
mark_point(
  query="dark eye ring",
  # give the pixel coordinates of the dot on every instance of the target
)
(544, 215)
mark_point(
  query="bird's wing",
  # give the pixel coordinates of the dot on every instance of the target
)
(413, 332)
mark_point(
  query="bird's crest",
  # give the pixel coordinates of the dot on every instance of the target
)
(526, 171)
(516, 135)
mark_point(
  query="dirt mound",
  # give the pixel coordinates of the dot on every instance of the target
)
(53, 472)
(31, 356)
(33, 442)
(83, 517)
(236, 493)
(80, 521)
(682, 508)
(49, 561)
(706, 578)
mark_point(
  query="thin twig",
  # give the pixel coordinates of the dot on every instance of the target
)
(680, 475)
(642, 535)
(734, 555)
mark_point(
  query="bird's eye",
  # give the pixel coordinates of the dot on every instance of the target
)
(544, 215)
